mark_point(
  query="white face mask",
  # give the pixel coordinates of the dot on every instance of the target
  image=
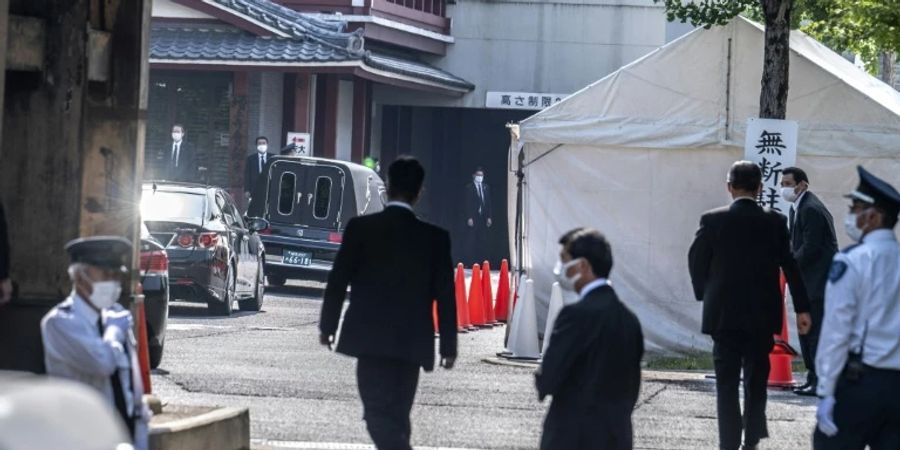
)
(788, 194)
(560, 271)
(105, 293)
(262, 148)
(177, 136)
(479, 178)
(853, 231)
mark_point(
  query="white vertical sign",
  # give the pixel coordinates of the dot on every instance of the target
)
(301, 143)
(771, 144)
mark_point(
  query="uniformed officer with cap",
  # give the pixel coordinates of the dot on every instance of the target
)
(859, 352)
(88, 337)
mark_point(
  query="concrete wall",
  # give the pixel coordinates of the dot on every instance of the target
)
(266, 100)
(539, 46)
(344, 120)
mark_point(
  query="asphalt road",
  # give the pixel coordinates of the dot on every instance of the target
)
(301, 395)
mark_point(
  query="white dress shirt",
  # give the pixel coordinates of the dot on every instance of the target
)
(599, 282)
(176, 151)
(399, 204)
(862, 297)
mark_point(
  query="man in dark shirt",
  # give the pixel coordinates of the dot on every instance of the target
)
(592, 367)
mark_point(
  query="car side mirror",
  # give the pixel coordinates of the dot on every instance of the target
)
(256, 224)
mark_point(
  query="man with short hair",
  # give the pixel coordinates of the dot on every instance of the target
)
(181, 159)
(255, 165)
(858, 362)
(397, 267)
(592, 367)
(735, 264)
(479, 217)
(814, 244)
(88, 337)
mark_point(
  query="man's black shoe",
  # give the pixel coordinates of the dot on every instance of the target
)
(800, 388)
(748, 447)
(808, 391)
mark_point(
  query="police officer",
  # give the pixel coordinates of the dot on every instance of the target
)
(88, 337)
(858, 362)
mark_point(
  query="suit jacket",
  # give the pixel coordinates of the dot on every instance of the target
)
(4, 246)
(734, 264)
(473, 203)
(814, 243)
(186, 170)
(251, 170)
(592, 368)
(396, 267)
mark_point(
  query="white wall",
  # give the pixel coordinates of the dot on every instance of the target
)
(344, 120)
(168, 8)
(271, 108)
(539, 46)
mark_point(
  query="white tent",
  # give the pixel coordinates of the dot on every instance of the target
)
(641, 153)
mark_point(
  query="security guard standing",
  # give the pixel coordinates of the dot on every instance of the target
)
(88, 338)
(859, 352)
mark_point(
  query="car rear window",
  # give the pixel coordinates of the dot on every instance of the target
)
(163, 205)
(286, 190)
(323, 198)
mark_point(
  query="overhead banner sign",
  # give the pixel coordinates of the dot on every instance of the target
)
(301, 143)
(772, 144)
(522, 100)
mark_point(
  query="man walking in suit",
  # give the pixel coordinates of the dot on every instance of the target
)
(592, 367)
(734, 264)
(181, 163)
(396, 266)
(479, 217)
(814, 244)
(256, 164)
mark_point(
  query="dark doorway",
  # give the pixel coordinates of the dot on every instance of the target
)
(451, 143)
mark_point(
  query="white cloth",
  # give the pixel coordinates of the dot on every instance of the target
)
(75, 350)
(399, 204)
(599, 282)
(862, 297)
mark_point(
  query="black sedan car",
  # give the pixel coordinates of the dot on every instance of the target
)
(155, 284)
(215, 256)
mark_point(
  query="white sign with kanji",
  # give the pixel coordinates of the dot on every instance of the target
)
(301, 143)
(522, 100)
(772, 144)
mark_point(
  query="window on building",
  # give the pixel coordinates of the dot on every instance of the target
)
(323, 198)
(286, 189)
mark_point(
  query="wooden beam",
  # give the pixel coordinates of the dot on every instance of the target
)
(26, 40)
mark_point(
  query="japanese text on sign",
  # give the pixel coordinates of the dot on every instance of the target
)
(522, 100)
(771, 144)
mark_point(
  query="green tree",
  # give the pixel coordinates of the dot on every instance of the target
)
(776, 15)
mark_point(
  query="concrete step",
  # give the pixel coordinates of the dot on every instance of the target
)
(182, 427)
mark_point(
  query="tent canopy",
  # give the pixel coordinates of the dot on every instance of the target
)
(641, 153)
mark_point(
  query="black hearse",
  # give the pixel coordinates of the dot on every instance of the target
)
(308, 202)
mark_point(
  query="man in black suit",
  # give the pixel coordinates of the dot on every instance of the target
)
(814, 244)
(734, 264)
(181, 158)
(397, 266)
(479, 217)
(592, 367)
(256, 164)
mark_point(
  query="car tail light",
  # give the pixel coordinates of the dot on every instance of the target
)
(155, 262)
(186, 240)
(266, 231)
(208, 240)
(335, 237)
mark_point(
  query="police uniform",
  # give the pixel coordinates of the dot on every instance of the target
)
(80, 345)
(858, 362)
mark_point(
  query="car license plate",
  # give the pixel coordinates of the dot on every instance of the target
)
(297, 258)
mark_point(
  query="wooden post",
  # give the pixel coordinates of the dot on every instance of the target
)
(359, 146)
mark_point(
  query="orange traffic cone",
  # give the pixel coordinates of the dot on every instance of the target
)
(781, 373)
(462, 307)
(501, 305)
(487, 294)
(143, 351)
(434, 315)
(476, 305)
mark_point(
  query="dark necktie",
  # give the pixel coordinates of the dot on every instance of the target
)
(791, 215)
(118, 393)
(262, 160)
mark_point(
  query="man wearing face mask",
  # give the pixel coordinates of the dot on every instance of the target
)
(88, 337)
(255, 165)
(814, 244)
(858, 362)
(592, 367)
(735, 263)
(181, 159)
(479, 217)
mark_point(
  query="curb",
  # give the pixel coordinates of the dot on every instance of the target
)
(219, 429)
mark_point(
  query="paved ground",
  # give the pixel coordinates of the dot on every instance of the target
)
(302, 396)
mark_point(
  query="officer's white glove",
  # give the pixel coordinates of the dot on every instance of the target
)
(121, 319)
(824, 416)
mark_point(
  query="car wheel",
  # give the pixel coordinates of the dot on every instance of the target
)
(156, 353)
(255, 303)
(224, 308)
(275, 280)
